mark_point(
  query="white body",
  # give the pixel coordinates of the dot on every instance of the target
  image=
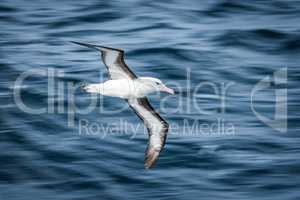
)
(124, 88)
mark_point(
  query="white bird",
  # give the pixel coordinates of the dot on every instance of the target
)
(125, 84)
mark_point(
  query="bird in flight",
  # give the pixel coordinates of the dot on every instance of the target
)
(123, 83)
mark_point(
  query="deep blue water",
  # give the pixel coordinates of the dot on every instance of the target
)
(184, 43)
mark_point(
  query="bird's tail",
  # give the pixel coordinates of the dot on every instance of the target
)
(83, 86)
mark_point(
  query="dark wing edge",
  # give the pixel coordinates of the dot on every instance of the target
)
(112, 58)
(152, 152)
(120, 62)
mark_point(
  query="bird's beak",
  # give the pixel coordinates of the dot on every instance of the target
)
(167, 90)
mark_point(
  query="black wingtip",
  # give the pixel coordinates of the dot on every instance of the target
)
(97, 47)
(85, 44)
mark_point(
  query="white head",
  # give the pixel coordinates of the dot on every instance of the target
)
(151, 84)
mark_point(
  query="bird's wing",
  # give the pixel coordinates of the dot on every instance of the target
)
(113, 60)
(157, 128)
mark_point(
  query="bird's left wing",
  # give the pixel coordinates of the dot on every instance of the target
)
(113, 60)
(157, 128)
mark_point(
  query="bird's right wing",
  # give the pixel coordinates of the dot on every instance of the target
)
(113, 60)
(157, 128)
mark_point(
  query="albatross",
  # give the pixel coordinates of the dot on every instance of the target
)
(123, 83)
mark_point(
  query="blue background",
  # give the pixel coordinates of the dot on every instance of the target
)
(41, 157)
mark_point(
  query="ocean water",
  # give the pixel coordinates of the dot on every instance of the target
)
(234, 120)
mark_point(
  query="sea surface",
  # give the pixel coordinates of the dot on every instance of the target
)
(234, 121)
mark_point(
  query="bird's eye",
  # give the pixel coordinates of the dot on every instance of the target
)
(157, 83)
